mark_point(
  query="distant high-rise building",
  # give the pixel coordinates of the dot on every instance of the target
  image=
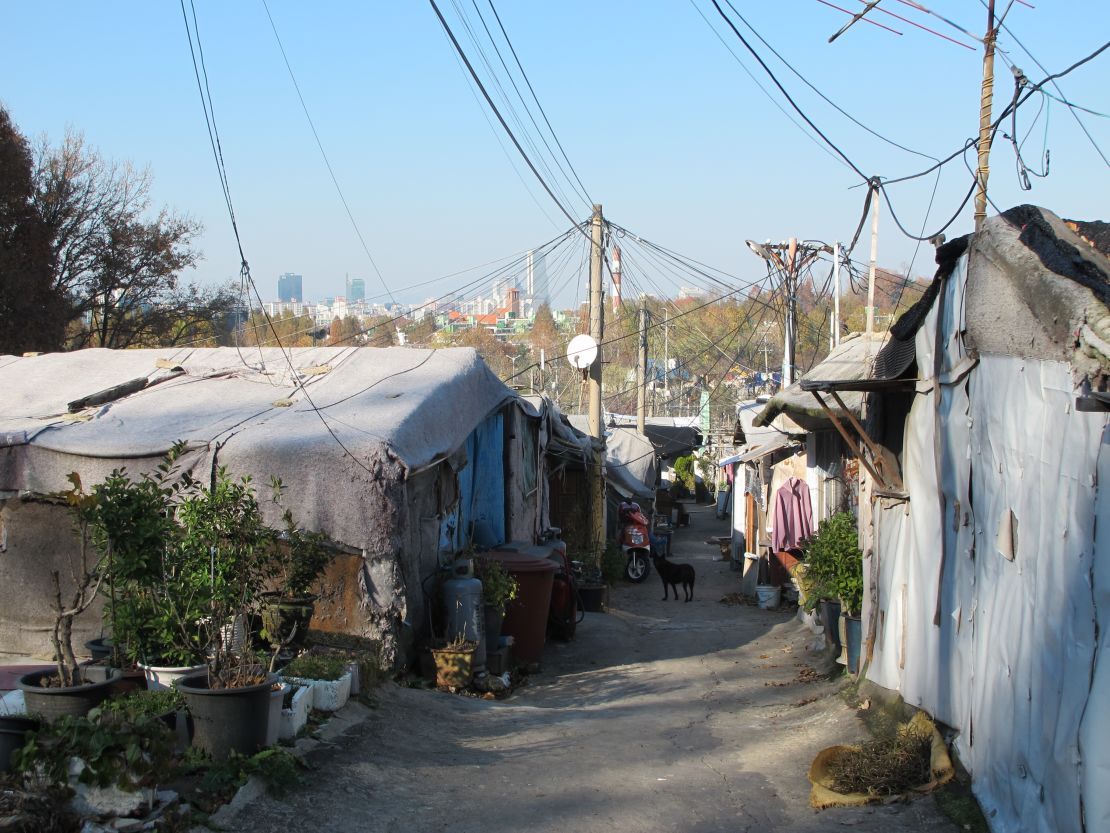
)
(535, 281)
(289, 288)
(356, 289)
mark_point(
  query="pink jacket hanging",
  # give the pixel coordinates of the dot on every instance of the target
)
(793, 517)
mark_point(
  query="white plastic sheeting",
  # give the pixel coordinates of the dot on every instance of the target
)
(989, 585)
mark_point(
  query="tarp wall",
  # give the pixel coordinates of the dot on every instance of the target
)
(998, 461)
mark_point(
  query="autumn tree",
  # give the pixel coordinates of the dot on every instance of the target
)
(31, 311)
(115, 260)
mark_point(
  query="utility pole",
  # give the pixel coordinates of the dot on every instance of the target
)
(667, 363)
(790, 258)
(641, 367)
(597, 331)
(986, 96)
(791, 312)
(871, 267)
(836, 294)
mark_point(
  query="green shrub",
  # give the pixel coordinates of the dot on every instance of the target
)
(684, 472)
(315, 667)
(116, 751)
(144, 704)
(612, 563)
(834, 563)
(499, 587)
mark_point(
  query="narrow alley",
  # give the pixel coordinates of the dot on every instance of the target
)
(660, 716)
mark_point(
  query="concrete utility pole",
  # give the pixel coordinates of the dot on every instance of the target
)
(985, 118)
(871, 267)
(836, 295)
(641, 367)
(597, 331)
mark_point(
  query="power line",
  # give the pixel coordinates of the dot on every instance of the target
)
(554, 135)
(323, 153)
(827, 100)
(782, 89)
(500, 118)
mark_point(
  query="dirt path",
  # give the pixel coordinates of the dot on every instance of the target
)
(660, 716)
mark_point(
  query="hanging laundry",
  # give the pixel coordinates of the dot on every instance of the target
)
(793, 516)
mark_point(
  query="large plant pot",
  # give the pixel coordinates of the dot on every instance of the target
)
(13, 734)
(853, 631)
(286, 620)
(454, 667)
(830, 619)
(167, 676)
(100, 648)
(593, 597)
(52, 703)
(227, 720)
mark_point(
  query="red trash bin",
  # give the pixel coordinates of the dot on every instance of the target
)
(526, 616)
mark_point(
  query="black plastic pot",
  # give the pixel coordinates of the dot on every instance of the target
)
(99, 648)
(830, 618)
(13, 734)
(227, 719)
(52, 703)
(592, 597)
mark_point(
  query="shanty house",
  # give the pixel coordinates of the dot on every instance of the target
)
(986, 553)
(398, 455)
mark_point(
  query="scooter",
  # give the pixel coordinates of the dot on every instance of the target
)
(635, 542)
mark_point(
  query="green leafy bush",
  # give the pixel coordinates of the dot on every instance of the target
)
(117, 751)
(499, 587)
(144, 704)
(316, 667)
(834, 563)
(612, 563)
(684, 472)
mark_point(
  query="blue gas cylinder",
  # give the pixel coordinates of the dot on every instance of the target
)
(462, 606)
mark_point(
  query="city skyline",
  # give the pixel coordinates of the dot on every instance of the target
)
(692, 153)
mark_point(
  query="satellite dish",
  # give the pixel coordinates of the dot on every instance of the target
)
(582, 351)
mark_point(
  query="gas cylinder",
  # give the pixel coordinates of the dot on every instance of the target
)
(462, 607)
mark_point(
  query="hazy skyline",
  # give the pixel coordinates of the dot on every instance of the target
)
(663, 126)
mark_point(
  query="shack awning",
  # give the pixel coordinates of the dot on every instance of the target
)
(850, 362)
(761, 451)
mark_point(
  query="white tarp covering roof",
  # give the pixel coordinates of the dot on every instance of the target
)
(394, 410)
(993, 580)
(760, 451)
(851, 360)
(629, 458)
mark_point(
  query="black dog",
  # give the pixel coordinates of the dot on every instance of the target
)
(673, 575)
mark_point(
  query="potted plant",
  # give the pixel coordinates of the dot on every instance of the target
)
(833, 578)
(131, 522)
(299, 559)
(499, 588)
(326, 675)
(454, 661)
(68, 690)
(223, 549)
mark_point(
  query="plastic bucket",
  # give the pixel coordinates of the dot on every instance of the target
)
(769, 596)
(853, 629)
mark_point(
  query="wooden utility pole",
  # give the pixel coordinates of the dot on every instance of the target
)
(985, 119)
(597, 331)
(641, 367)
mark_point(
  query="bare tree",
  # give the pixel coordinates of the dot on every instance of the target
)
(114, 260)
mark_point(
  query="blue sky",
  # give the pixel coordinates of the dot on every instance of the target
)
(664, 127)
